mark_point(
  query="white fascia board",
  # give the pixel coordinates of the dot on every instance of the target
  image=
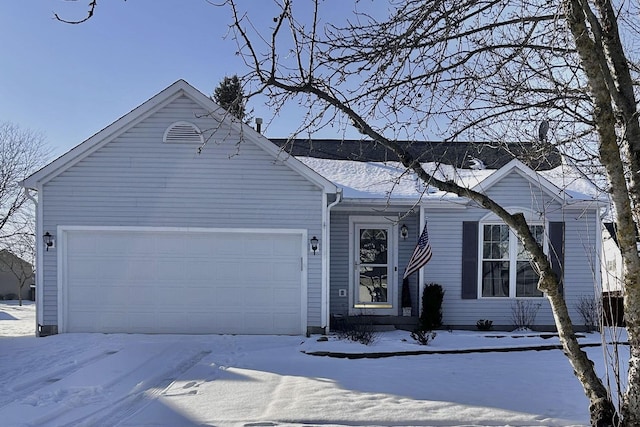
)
(527, 173)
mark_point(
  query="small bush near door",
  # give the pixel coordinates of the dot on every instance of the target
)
(589, 309)
(423, 337)
(357, 329)
(523, 314)
(431, 316)
(484, 324)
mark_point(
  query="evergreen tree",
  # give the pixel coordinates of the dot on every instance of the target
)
(230, 96)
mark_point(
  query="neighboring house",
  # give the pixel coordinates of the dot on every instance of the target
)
(16, 277)
(611, 261)
(612, 284)
(149, 233)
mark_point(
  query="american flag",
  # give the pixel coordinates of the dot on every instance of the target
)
(421, 254)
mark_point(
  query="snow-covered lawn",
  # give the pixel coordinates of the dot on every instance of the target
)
(211, 380)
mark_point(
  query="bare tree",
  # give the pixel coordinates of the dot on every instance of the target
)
(22, 152)
(483, 70)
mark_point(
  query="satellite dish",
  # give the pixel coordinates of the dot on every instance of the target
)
(476, 164)
(543, 130)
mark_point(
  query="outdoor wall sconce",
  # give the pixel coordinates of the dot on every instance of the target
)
(49, 240)
(404, 232)
(314, 244)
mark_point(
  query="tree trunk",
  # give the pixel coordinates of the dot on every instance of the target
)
(609, 87)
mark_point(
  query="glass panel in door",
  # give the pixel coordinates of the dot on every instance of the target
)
(373, 267)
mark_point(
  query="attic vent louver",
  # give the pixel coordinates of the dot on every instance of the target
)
(183, 132)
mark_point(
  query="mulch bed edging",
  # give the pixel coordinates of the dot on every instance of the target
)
(422, 352)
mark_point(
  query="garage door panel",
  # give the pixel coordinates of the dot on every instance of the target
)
(228, 271)
(200, 269)
(85, 244)
(169, 244)
(137, 295)
(227, 296)
(194, 295)
(256, 297)
(282, 321)
(256, 271)
(201, 246)
(109, 269)
(286, 270)
(183, 282)
(87, 320)
(170, 270)
(286, 296)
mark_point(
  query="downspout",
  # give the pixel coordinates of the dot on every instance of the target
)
(39, 262)
(326, 262)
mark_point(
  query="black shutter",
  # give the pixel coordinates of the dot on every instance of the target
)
(556, 250)
(469, 260)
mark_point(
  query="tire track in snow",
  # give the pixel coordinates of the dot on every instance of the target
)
(21, 389)
(146, 392)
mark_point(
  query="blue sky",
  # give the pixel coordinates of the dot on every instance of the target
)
(70, 81)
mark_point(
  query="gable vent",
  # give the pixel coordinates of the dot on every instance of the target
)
(183, 132)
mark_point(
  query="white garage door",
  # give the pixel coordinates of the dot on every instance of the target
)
(194, 282)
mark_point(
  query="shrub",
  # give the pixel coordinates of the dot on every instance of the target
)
(423, 337)
(357, 330)
(589, 309)
(523, 314)
(484, 324)
(431, 316)
(406, 294)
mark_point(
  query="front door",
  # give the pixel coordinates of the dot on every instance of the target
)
(374, 287)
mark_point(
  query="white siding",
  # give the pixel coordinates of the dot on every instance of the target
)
(137, 180)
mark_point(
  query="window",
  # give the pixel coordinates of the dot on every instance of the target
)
(506, 266)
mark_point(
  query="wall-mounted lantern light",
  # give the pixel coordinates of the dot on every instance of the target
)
(49, 240)
(314, 244)
(404, 232)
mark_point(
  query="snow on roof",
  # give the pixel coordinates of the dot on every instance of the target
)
(574, 183)
(377, 180)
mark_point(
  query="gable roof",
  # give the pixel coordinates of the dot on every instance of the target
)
(154, 104)
(524, 171)
(537, 156)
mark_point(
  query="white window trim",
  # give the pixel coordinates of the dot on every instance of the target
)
(491, 219)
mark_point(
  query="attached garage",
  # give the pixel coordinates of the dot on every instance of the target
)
(193, 281)
(150, 231)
